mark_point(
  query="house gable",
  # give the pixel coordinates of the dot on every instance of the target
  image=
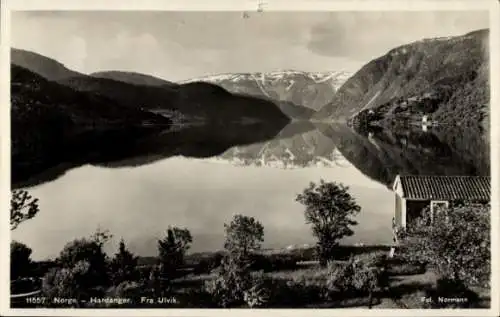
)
(397, 187)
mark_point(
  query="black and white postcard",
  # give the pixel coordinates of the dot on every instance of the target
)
(268, 157)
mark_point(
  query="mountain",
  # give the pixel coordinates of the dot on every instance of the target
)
(128, 95)
(446, 78)
(46, 115)
(41, 65)
(192, 101)
(133, 78)
(302, 89)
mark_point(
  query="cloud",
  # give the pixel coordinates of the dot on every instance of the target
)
(365, 35)
(181, 45)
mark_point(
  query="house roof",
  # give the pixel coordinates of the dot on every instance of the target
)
(445, 187)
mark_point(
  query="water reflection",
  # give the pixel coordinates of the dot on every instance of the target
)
(169, 178)
(114, 149)
(380, 154)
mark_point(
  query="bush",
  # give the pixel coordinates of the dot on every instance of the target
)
(82, 269)
(123, 266)
(70, 283)
(235, 285)
(86, 251)
(20, 261)
(172, 250)
(457, 243)
(127, 289)
(232, 280)
(358, 277)
(257, 295)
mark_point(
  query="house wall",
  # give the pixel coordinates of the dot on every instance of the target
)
(398, 210)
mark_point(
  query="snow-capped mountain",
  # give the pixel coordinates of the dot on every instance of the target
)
(298, 145)
(307, 89)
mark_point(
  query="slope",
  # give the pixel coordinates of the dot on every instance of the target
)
(419, 78)
(41, 65)
(133, 78)
(44, 115)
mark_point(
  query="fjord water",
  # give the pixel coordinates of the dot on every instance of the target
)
(198, 177)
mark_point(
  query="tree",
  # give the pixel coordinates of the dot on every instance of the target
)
(243, 235)
(22, 207)
(456, 243)
(329, 209)
(88, 250)
(20, 261)
(123, 265)
(172, 250)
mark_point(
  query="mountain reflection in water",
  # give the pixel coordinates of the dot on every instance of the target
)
(137, 187)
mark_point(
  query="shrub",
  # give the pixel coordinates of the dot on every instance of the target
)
(232, 280)
(172, 250)
(457, 243)
(20, 261)
(126, 290)
(90, 251)
(70, 282)
(123, 266)
(358, 276)
(257, 294)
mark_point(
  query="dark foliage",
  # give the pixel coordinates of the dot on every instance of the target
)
(243, 236)
(123, 266)
(84, 257)
(456, 244)
(20, 260)
(172, 250)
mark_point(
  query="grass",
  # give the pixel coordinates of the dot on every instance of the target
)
(303, 285)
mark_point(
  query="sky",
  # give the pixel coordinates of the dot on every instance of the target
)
(177, 45)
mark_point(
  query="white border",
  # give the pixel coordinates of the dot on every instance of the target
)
(246, 5)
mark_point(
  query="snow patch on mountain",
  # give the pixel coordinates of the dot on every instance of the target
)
(318, 77)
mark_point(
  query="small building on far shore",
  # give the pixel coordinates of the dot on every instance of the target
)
(413, 193)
